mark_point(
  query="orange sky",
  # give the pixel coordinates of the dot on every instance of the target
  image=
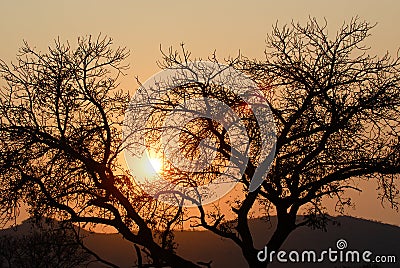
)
(204, 26)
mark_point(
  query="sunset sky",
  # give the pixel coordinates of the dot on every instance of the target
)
(224, 26)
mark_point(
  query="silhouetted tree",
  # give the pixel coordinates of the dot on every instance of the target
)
(61, 114)
(336, 111)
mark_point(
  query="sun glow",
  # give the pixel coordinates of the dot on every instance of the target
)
(156, 164)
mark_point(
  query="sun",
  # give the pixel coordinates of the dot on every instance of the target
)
(156, 164)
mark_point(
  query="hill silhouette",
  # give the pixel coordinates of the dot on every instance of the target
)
(360, 234)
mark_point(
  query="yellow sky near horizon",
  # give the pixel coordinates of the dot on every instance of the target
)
(224, 26)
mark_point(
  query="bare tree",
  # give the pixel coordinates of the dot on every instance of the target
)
(336, 111)
(61, 114)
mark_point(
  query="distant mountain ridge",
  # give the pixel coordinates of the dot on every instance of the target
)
(360, 234)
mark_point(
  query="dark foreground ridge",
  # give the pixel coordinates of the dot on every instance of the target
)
(360, 234)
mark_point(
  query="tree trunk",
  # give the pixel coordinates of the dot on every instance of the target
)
(286, 224)
(250, 254)
(139, 256)
(171, 259)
